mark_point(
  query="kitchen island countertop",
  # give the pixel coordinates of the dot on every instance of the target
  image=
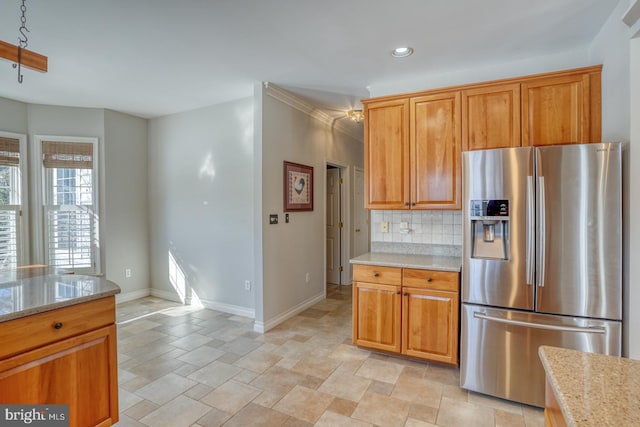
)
(426, 262)
(23, 293)
(593, 389)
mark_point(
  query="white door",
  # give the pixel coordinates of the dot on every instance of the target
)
(360, 215)
(333, 225)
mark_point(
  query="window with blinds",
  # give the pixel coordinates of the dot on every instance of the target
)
(10, 202)
(71, 220)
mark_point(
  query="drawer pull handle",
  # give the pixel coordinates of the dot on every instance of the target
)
(376, 274)
(58, 325)
(429, 280)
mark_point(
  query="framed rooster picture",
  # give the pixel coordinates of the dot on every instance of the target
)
(298, 187)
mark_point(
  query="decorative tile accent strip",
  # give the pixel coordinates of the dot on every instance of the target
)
(417, 249)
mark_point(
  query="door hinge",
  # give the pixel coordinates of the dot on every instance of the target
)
(340, 181)
(340, 225)
(340, 269)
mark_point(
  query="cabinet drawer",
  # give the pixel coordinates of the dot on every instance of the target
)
(39, 329)
(431, 279)
(377, 274)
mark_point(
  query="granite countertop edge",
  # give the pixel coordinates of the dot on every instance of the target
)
(111, 291)
(424, 262)
(592, 389)
(553, 382)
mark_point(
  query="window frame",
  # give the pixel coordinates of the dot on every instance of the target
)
(39, 198)
(22, 223)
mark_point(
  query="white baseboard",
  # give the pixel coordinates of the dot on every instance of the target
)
(211, 305)
(130, 296)
(168, 295)
(229, 308)
(262, 327)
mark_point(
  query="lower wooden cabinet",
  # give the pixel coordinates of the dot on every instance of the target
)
(377, 310)
(80, 371)
(430, 324)
(420, 320)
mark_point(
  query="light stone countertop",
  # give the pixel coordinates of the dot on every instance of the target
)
(26, 294)
(426, 262)
(593, 389)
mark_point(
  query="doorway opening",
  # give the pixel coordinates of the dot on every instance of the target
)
(334, 225)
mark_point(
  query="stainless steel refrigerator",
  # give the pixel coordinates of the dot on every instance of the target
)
(541, 262)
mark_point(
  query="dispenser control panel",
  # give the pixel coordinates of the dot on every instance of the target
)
(486, 208)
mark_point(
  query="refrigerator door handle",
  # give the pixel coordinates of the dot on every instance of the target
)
(591, 330)
(530, 232)
(542, 232)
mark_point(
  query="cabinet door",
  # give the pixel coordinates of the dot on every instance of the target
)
(386, 154)
(376, 316)
(435, 151)
(430, 325)
(491, 117)
(78, 371)
(557, 110)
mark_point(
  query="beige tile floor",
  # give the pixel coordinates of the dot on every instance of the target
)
(181, 366)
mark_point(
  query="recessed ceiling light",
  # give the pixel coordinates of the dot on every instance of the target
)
(401, 52)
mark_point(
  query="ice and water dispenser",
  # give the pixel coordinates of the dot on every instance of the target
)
(489, 229)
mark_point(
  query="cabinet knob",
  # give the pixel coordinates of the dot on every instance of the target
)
(357, 230)
(398, 293)
(406, 204)
(413, 204)
(57, 325)
(406, 294)
(376, 274)
(429, 280)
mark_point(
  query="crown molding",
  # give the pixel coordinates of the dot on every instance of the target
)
(300, 104)
(632, 14)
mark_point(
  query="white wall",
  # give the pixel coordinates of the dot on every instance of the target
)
(13, 116)
(126, 233)
(633, 298)
(201, 203)
(290, 251)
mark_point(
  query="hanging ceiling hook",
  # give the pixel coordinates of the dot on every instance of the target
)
(23, 41)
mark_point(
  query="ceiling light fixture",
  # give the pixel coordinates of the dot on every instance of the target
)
(355, 115)
(401, 52)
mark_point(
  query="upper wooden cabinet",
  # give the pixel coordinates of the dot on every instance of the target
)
(412, 153)
(386, 154)
(561, 109)
(491, 117)
(435, 151)
(413, 141)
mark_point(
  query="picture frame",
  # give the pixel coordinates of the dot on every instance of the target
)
(298, 187)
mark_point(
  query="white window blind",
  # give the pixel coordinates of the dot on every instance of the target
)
(70, 214)
(10, 203)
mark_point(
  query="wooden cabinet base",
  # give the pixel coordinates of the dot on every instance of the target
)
(420, 321)
(80, 371)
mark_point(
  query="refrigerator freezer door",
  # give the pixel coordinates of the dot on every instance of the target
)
(504, 174)
(499, 352)
(579, 225)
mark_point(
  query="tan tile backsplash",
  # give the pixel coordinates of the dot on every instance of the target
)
(427, 227)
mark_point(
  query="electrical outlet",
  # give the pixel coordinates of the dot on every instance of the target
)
(247, 285)
(127, 273)
(273, 219)
(384, 227)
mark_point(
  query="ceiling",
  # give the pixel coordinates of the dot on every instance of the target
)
(156, 57)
